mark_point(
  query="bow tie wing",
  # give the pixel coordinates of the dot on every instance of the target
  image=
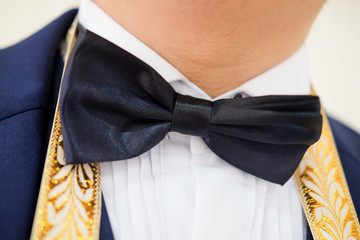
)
(104, 89)
(113, 106)
(265, 136)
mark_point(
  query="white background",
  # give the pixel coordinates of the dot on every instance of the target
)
(333, 47)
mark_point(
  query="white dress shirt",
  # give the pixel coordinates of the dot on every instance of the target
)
(180, 190)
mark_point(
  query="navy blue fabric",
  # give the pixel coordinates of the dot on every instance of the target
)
(105, 228)
(348, 145)
(21, 155)
(27, 72)
(29, 77)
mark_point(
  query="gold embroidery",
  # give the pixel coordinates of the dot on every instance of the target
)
(69, 204)
(324, 193)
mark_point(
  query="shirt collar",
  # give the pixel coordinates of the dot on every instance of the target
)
(290, 77)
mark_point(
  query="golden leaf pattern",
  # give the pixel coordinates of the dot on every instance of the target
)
(324, 192)
(69, 205)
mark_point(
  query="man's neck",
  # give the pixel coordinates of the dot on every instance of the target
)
(218, 45)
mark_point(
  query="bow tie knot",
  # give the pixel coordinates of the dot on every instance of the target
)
(191, 115)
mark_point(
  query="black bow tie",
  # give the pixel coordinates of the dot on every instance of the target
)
(113, 106)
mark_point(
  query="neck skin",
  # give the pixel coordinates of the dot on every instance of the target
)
(218, 44)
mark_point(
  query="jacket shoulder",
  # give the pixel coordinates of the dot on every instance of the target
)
(29, 71)
(26, 67)
(348, 145)
(347, 140)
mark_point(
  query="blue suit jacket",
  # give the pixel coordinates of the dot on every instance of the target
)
(30, 73)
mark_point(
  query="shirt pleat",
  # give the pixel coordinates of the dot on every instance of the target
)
(250, 204)
(126, 228)
(298, 219)
(259, 210)
(180, 186)
(284, 206)
(271, 217)
(219, 212)
(148, 194)
(159, 204)
(108, 179)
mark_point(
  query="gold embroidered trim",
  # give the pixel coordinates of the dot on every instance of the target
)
(324, 192)
(69, 203)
